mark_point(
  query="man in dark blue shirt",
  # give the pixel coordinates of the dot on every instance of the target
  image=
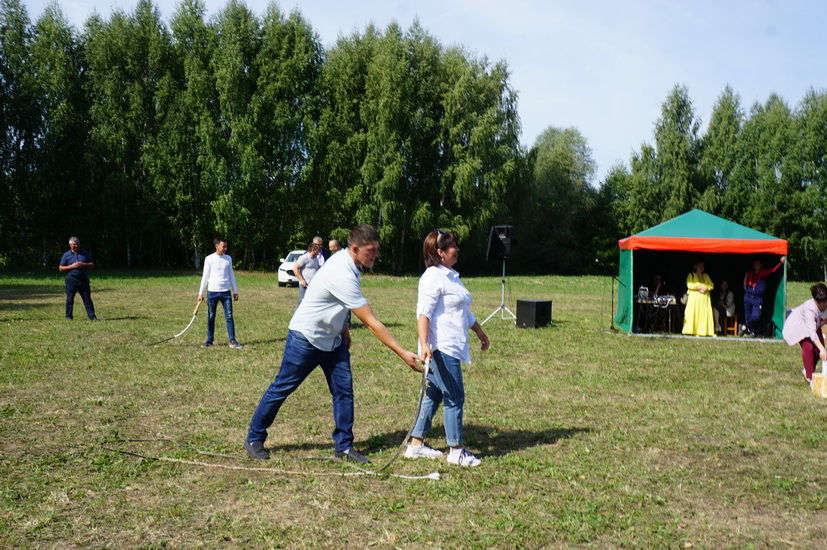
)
(75, 263)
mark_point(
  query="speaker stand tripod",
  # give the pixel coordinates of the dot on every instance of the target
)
(502, 309)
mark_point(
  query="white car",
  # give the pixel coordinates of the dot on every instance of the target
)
(286, 275)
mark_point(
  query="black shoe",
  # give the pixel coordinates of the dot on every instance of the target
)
(94, 319)
(256, 450)
(68, 318)
(352, 455)
(206, 344)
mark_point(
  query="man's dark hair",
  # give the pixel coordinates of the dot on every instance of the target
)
(819, 292)
(362, 234)
(217, 240)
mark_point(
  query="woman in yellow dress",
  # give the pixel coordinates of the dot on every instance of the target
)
(697, 317)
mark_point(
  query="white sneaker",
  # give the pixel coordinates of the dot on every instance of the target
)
(461, 457)
(809, 380)
(422, 451)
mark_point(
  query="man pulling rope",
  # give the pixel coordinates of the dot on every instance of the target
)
(318, 335)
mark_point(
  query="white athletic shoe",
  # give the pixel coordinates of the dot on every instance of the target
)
(422, 451)
(461, 457)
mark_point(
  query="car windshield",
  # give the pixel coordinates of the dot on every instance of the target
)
(292, 257)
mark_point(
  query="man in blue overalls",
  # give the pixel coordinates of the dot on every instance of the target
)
(75, 263)
(755, 286)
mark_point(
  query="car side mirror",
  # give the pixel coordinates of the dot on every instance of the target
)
(281, 260)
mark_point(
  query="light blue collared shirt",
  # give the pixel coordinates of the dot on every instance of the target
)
(334, 291)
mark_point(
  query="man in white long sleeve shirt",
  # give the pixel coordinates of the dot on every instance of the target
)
(218, 280)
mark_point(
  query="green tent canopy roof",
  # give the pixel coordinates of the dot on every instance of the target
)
(699, 231)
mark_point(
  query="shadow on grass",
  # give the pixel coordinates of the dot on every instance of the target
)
(553, 325)
(495, 442)
(264, 341)
(11, 296)
(360, 326)
(492, 441)
(125, 318)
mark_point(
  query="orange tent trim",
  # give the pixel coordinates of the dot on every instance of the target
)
(691, 244)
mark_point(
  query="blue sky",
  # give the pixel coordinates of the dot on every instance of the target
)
(602, 67)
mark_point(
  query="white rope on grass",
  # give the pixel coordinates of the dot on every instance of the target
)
(361, 472)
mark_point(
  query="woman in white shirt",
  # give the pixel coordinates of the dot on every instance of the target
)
(443, 311)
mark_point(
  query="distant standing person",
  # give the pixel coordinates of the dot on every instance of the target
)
(318, 336)
(333, 246)
(323, 254)
(218, 280)
(803, 327)
(755, 286)
(306, 267)
(697, 318)
(443, 319)
(76, 263)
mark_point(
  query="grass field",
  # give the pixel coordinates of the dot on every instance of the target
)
(588, 438)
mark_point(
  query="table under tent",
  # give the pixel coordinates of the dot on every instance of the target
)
(671, 249)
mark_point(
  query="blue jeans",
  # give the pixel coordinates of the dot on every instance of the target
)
(299, 360)
(752, 311)
(226, 298)
(74, 286)
(445, 384)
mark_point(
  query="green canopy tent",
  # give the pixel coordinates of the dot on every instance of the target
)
(727, 249)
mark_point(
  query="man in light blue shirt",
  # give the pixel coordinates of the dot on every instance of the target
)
(319, 336)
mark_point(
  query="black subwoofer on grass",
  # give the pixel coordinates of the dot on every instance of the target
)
(533, 313)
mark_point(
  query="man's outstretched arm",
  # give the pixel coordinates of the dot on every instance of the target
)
(366, 315)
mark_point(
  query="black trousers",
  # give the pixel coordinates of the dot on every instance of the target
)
(76, 285)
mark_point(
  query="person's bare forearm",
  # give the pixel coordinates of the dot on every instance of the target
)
(383, 334)
(423, 326)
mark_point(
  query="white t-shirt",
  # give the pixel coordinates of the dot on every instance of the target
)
(218, 274)
(445, 301)
(321, 315)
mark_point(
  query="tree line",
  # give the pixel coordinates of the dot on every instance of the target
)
(765, 168)
(146, 140)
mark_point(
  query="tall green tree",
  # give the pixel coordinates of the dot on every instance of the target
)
(666, 178)
(809, 156)
(236, 73)
(615, 220)
(284, 107)
(62, 107)
(338, 142)
(415, 137)
(642, 192)
(183, 158)
(563, 173)
(678, 154)
(401, 111)
(129, 58)
(764, 188)
(720, 150)
(480, 144)
(21, 131)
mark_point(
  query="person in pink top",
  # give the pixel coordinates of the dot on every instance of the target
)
(803, 327)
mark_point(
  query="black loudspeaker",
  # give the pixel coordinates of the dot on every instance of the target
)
(501, 242)
(533, 313)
